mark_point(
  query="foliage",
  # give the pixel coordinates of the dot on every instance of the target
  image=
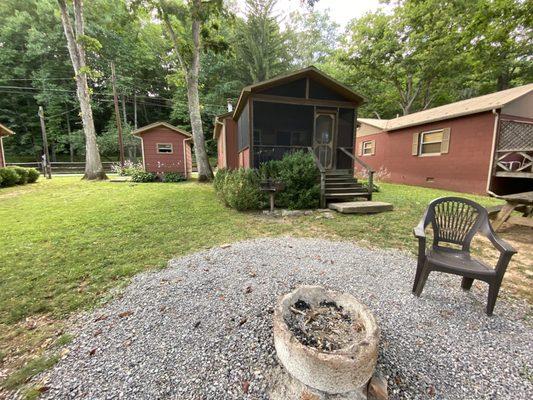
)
(142, 176)
(33, 175)
(129, 168)
(261, 51)
(299, 175)
(22, 175)
(173, 177)
(8, 177)
(240, 189)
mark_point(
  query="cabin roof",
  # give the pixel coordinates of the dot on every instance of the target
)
(5, 131)
(461, 108)
(144, 129)
(311, 72)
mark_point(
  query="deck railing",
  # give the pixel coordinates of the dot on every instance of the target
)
(322, 171)
(368, 168)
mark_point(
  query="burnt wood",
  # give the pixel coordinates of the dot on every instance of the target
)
(455, 221)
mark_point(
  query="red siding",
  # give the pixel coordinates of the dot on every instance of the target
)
(464, 168)
(158, 163)
(244, 158)
(2, 163)
(232, 157)
(228, 156)
(188, 153)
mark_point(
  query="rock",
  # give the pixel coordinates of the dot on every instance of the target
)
(328, 215)
(377, 388)
(291, 213)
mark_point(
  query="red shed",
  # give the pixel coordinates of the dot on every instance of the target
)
(165, 148)
(474, 146)
(3, 132)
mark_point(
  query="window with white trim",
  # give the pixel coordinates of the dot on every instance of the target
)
(431, 142)
(367, 148)
(164, 148)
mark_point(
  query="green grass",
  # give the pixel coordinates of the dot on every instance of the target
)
(66, 242)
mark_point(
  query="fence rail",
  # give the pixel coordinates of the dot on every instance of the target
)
(62, 167)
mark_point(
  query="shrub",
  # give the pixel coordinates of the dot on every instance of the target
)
(22, 175)
(173, 177)
(300, 176)
(240, 189)
(33, 175)
(143, 176)
(9, 177)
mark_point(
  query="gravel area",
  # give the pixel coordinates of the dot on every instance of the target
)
(201, 328)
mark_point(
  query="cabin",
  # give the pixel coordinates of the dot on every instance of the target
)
(480, 145)
(4, 131)
(165, 148)
(305, 110)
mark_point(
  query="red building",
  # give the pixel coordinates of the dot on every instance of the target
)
(165, 148)
(474, 146)
(3, 132)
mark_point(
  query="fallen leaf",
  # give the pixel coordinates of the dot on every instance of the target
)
(196, 324)
(248, 290)
(100, 318)
(92, 352)
(125, 314)
(243, 321)
(245, 386)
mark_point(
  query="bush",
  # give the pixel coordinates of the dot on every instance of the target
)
(240, 189)
(33, 175)
(173, 177)
(298, 172)
(143, 176)
(22, 175)
(9, 177)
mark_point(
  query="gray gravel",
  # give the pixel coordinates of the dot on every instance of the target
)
(201, 329)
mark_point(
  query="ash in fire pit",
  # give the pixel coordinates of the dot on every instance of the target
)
(325, 326)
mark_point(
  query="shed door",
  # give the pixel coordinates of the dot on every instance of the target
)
(323, 137)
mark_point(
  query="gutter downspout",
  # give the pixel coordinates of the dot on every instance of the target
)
(496, 114)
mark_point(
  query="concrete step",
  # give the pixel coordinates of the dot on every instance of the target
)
(361, 207)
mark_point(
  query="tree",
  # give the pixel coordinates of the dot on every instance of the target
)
(76, 43)
(184, 23)
(261, 47)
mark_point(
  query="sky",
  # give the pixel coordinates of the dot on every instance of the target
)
(341, 11)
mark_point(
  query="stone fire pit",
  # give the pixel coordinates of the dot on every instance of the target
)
(327, 342)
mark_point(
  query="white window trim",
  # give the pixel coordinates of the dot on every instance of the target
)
(421, 139)
(363, 148)
(165, 152)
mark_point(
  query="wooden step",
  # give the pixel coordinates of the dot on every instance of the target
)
(361, 207)
(345, 190)
(346, 195)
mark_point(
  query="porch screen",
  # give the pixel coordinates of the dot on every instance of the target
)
(345, 137)
(279, 129)
(243, 128)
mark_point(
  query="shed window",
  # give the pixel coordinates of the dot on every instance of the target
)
(164, 148)
(367, 148)
(431, 142)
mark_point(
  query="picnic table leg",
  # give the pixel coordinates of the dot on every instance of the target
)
(503, 215)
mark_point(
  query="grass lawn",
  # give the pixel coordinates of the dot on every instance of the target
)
(65, 243)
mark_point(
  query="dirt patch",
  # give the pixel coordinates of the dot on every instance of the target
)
(518, 278)
(327, 326)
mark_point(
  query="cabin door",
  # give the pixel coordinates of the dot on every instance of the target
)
(325, 123)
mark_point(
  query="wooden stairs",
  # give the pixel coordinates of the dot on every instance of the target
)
(341, 185)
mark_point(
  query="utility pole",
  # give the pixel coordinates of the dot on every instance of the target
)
(117, 115)
(47, 169)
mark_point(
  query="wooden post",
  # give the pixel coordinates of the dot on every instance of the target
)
(117, 116)
(46, 156)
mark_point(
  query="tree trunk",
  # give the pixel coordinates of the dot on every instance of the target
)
(93, 163)
(124, 114)
(202, 160)
(134, 111)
